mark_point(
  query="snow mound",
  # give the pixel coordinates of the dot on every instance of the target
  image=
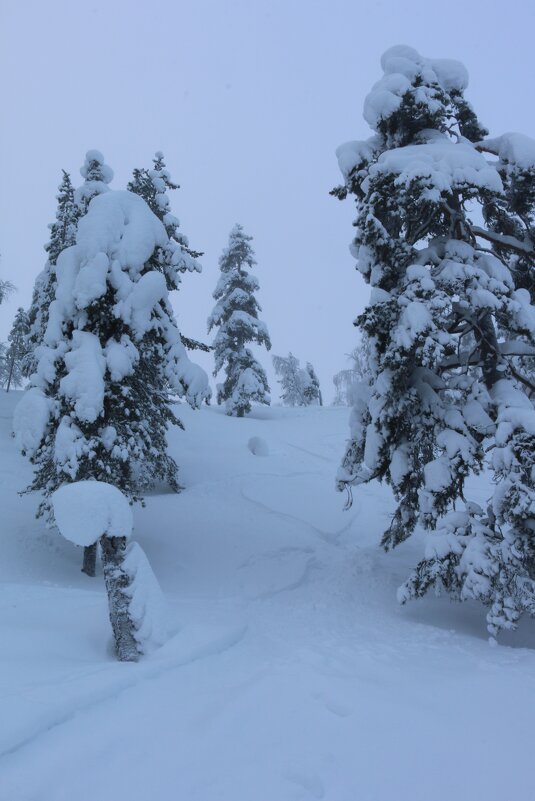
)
(147, 605)
(86, 510)
(258, 446)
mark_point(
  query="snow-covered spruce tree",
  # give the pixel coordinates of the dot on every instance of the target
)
(236, 316)
(100, 406)
(447, 326)
(16, 351)
(312, 391)
(62, 235)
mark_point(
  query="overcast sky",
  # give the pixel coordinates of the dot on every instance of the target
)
(248, 100)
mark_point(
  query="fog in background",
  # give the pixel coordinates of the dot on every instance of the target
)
(248, 101)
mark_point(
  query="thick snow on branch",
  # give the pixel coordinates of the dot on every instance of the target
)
(84, 382)
(120, 224)
(515, 149)
(185, 377)
(86, 510)
(446, 165)
(352, 154)
(30, 420)
(115, 239)
(95, 156)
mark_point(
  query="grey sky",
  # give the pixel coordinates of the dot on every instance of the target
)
(248, 101)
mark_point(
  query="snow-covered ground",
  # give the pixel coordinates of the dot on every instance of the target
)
(290, 673)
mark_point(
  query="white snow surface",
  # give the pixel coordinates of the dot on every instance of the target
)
(290, 672)
(147, 605)
(85, 510)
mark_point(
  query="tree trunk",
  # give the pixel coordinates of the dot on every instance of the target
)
(90, 560)
(117, 581)
(489, 349)
(10, 374)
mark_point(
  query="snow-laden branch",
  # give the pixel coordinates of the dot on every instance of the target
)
(503, 240)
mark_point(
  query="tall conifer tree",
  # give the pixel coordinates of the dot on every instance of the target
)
(16, 351)
(110, 358)
(62, 235)
(448, 325)
(236, 317)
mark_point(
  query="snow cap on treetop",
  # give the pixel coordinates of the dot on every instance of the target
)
(86, 510)
(401, 66)
(92, 156)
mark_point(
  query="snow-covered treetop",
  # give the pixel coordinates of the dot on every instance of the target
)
(406, 70)
(86, 510)
(63, 229)
(95, 168)
(153, 186)
(415, 101)
(238, 250)
(97, 176)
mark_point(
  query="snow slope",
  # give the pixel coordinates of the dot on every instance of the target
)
(291, 672)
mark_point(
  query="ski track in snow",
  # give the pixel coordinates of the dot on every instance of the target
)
(326, 536)
(144, 671)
